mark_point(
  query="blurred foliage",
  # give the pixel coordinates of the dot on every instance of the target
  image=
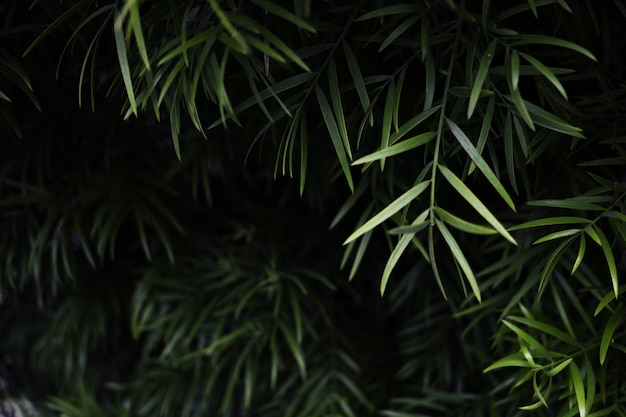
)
(202, 202)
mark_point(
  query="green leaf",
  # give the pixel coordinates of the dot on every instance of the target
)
(548, 329)
(479, 162)
(558, 368)
(481, 75)
(610, 259)
(579, 388)
(549, 221)
(122, 57)
(335, 97)
(462, 224)
(394, 257)
(607, 335)
(516, 360)
(335, 136)
(239, 43)
(390, 10)
(398, 148)
(399, 30)
(581, 253)
(514, 69)
(528, 39)
(484, 130)
(276, 10)
(357, 79)
(395, 206)
(546, 73)
(568, 203)
(557, 235)
(459, 257)
(475, 202)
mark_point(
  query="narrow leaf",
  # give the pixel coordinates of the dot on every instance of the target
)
(609, 330)
(390, 210)
(610, 259)
(335, 136)
(122, 57)
(475, 202)
(459, 257)
(481, 75)
(479, 162)
(398, 148)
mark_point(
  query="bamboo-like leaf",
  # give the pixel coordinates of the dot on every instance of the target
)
(546, 328)
(516, 360)
(479, 162)
(546, 119)
(240, 43)
(581, 253)
(528, 39)
(568, 203)
(398, 148)
(475, 202)
(558, 368)
(276, 10)
(481, 75)
(610, 259)
(395, 206)
(412, 123)
(514, 69)
(399, 30)
(557, 235)
(484, 131)
(462, 224)
(393, 259)
(357, 79)
(579, 388)
(549, 221)
(459, 257)
(122, 57)
(546, 73)
(509, 152)
(335, 136)
(390, 10)
(335, 97)
(387, 119)
(135, 23)
(532, 342)
(607, 335)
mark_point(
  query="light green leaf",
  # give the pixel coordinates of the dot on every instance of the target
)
(398, 148)
(581, 253)
(462, 224)
(459, 257)
(514, 69)
(479, 162)
(516, 360)
(558, 368)
(412, 123)
(475, 202)
(579, 388)
(393, 259)
(481, 75)
(607, 335)
(395, 206)
(557, 235)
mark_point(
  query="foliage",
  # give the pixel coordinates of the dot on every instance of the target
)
(174, 245)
